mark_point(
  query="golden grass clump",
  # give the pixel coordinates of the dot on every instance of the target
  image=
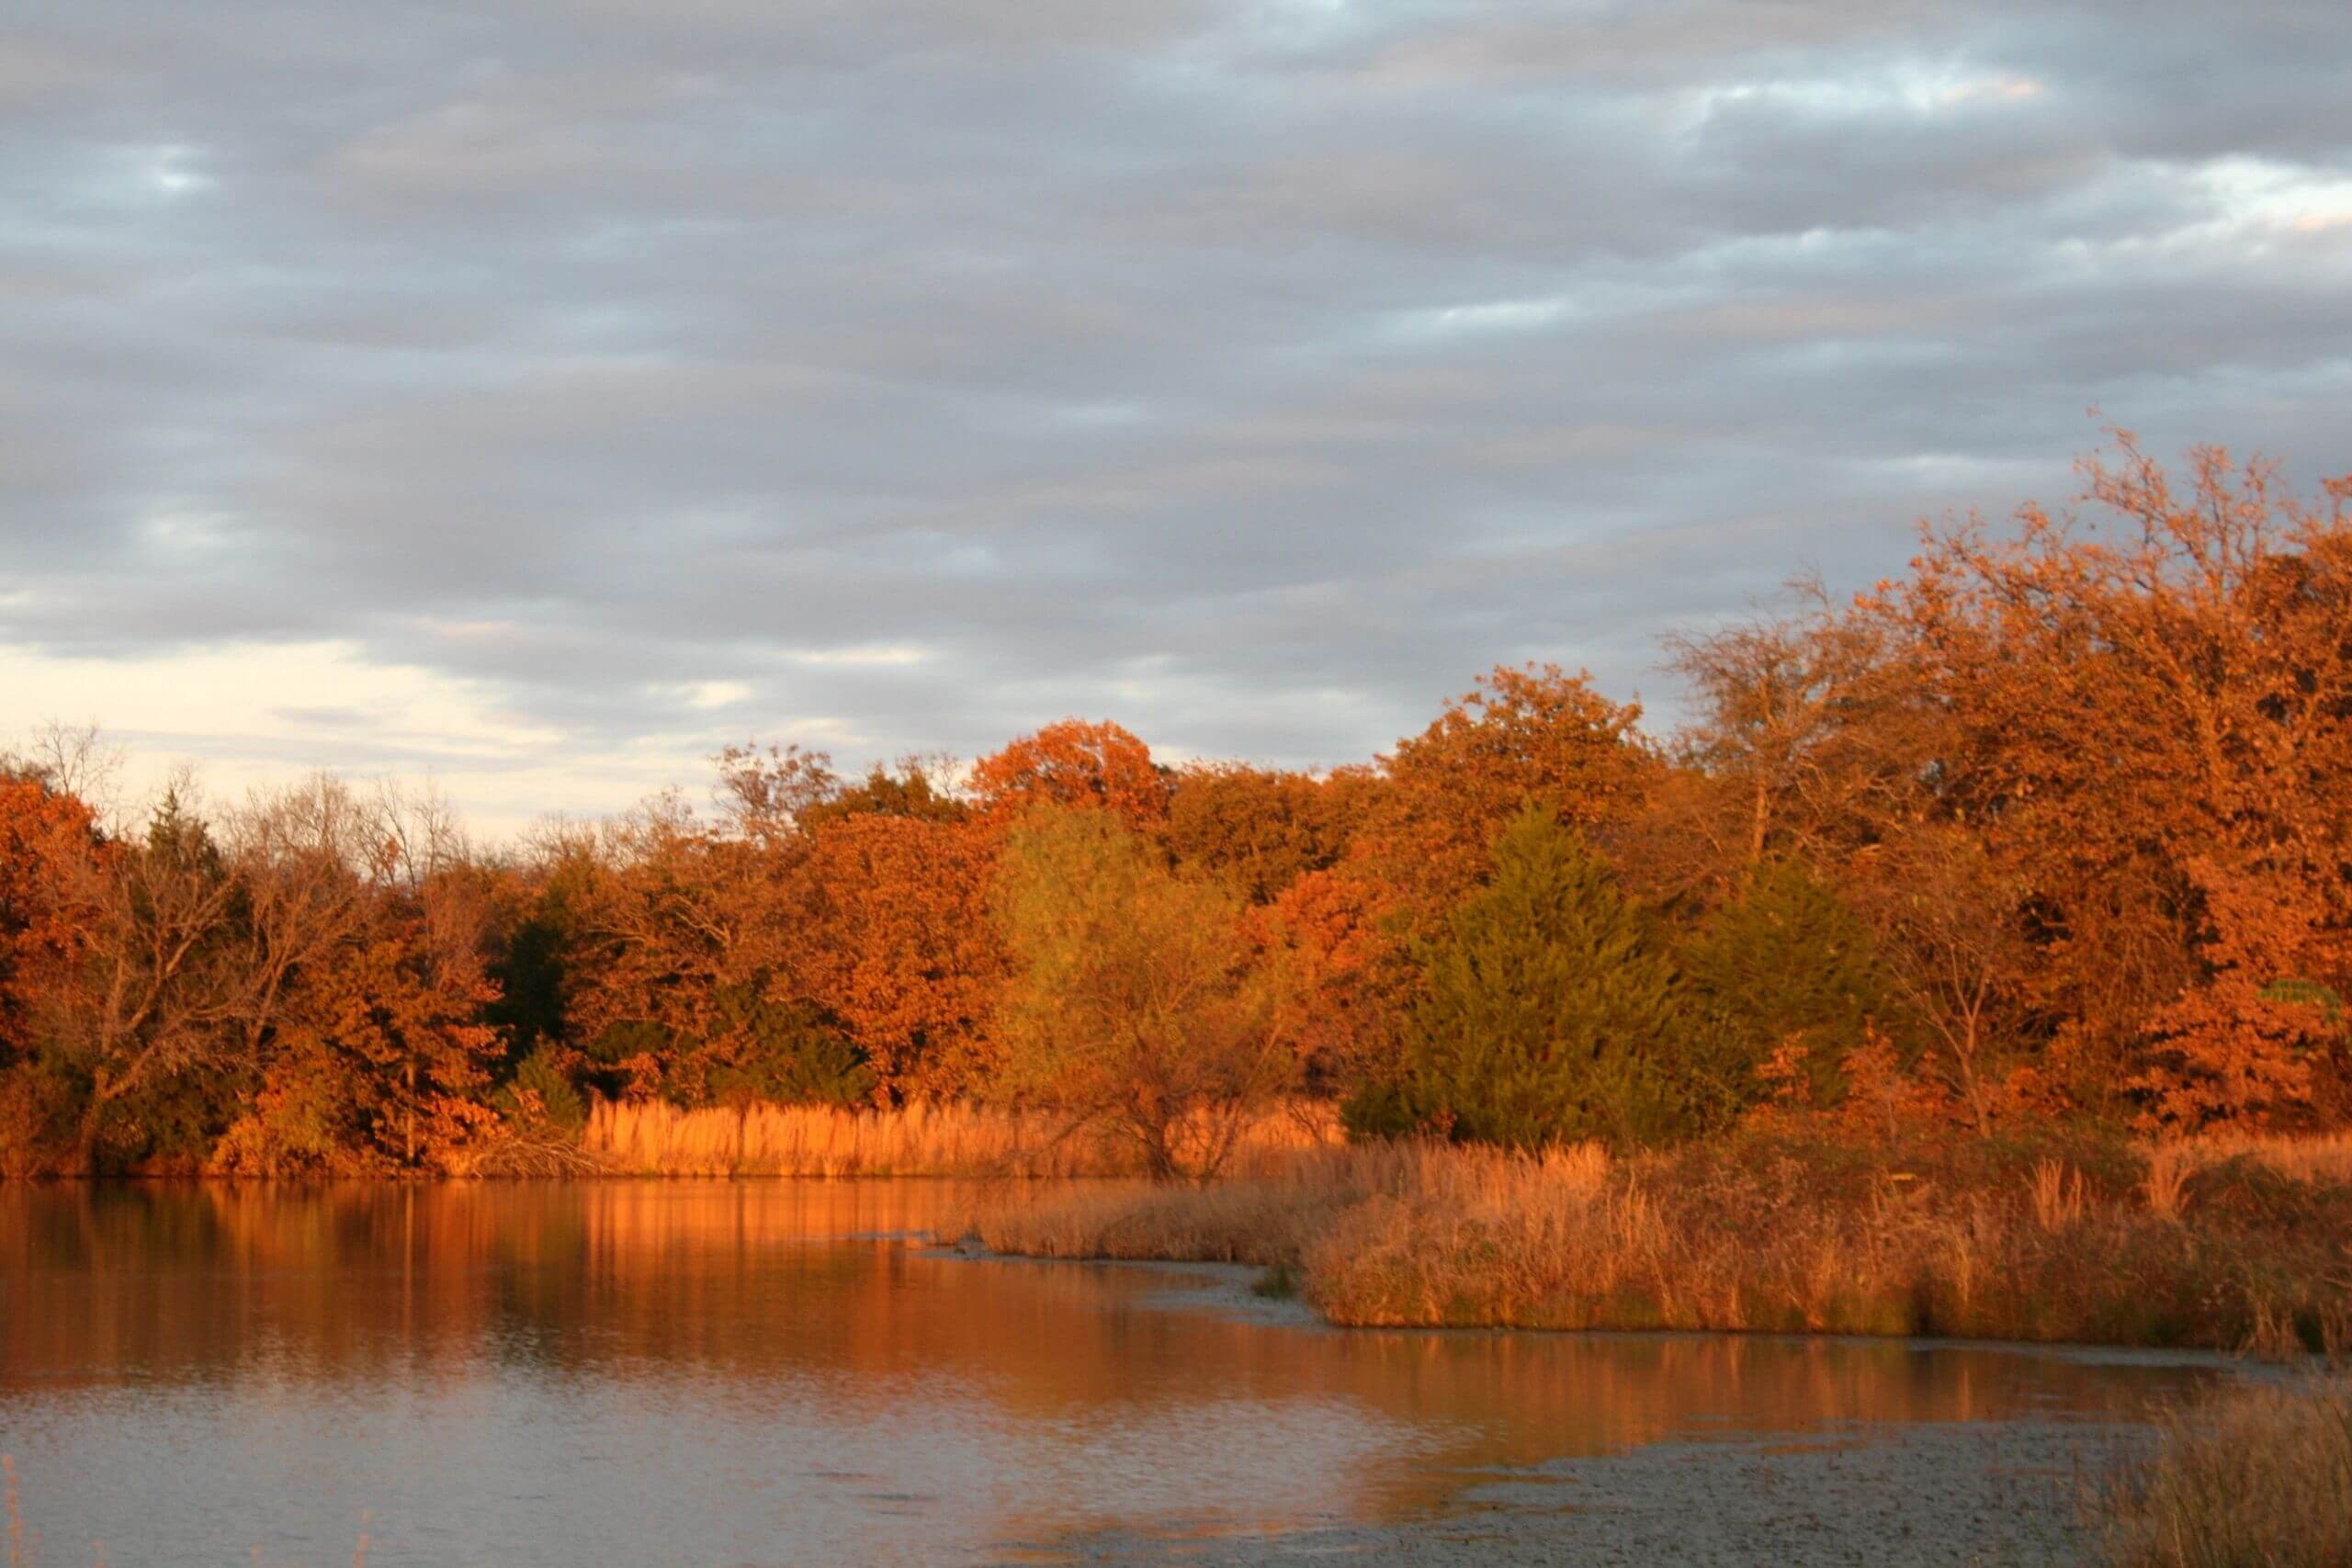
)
(2322, 1160)
(2259, 1474)
(2057, 1196)
(2170, 1169)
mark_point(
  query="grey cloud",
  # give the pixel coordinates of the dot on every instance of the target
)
(1254, 373)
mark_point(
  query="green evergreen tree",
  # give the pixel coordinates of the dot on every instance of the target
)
(1548, 1011)
(1788, 964)
(791, 1052)
(554, 1100)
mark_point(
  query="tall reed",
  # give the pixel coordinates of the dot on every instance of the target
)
(2324, 1158)
(652, 1138)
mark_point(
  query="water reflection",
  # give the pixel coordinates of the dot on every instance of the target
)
(711, 1372)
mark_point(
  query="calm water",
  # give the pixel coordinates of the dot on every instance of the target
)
(717, 1373)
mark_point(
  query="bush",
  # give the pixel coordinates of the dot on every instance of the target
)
(36, 1114)
(753, 1048)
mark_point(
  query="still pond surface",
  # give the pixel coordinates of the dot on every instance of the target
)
(717, 1373)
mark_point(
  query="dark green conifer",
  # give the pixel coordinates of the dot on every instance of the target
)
(1549, 1009)
(1788, 963)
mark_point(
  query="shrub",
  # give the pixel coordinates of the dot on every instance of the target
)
(753, 1048)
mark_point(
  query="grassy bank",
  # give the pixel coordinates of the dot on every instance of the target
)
(2047, 1237)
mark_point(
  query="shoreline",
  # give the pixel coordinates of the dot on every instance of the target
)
(1902, 1494)
(2017, 1490)
(2052, 1241)
(2048, 1241)
(1231, 1293)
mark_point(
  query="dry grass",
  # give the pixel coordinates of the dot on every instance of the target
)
(2167, 1187)
(656, 1139)
(2058, 1198)
(2260, 1475)
(2066, 1238)
(1275, 1214)
(2323, 1160)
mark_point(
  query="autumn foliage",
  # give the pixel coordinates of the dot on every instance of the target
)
(2056, 825)
(51, 863)
(1073, 764)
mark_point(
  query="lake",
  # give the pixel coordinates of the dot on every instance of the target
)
(771, 1373)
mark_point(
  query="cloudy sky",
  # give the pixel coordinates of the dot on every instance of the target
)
(536, 395)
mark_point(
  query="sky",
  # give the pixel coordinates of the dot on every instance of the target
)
(533, 396)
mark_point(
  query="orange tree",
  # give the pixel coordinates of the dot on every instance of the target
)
(54, 872)
(2145, 719)
(1533, 735)
(1073, 763)
(1532, 738)
(901, 948)
(1259, 829)
(51, 859)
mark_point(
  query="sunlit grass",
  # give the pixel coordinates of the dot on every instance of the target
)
(652, 1138)
(2061, 1237)
(2324, 1159)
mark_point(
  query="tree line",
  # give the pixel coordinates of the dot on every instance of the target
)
(2058, 823)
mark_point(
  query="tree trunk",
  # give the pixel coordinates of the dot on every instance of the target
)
(1968, 1083)
(86, 1141)
(103, 1090)
(1759, 817)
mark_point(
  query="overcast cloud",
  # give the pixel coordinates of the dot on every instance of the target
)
(537, 395)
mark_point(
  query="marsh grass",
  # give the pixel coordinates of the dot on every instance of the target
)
(2059, 1236)
(2058, 1198)
(2323, 1161)
(652, 1138)
(2166, 1187)
(2256, 1475)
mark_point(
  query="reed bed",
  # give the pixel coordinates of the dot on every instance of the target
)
(2059, 1238)
(2324, 1159)
(2259, 1474)
(1275, 1216)
(652, 1138)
